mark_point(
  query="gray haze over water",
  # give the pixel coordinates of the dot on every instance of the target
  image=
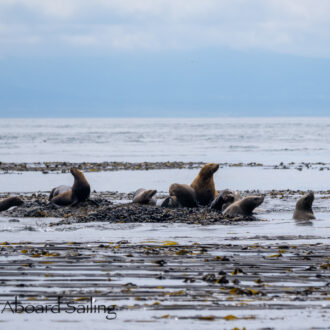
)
(265, 140)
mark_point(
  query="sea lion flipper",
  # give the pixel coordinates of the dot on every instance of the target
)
(170, 202)
(93, 202)
(74, 203)
(145, 196)
(51, 195)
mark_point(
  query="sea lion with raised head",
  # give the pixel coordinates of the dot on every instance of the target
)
(9, 202)
(303, 210)
(223, 200)
(204, 184)
(181, 195)
(144, 196)
(79, 192)
(244, 207)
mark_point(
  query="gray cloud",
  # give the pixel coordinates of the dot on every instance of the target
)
(286, 26)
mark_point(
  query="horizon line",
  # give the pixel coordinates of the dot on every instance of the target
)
(164, 117)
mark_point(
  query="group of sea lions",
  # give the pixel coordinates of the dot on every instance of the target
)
(201, 192)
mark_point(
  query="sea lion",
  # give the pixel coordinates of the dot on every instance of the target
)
(79, 192)
(182, 195)
(171, 202)
(144, 196)
(58, 190)
(223, 200)
(303, 210)
(244, 207)
(237, 197)
(204, 184)
(9, 202)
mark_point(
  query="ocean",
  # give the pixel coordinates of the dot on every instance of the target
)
(275, 267)
(264, 140)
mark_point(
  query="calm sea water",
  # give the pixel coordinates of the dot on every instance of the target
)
(266, 140)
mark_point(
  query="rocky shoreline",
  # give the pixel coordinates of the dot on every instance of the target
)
(100, 209)
(116, 207)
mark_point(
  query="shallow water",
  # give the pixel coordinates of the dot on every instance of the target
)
(240, 178)
(281, 319)
(277, 226)
(265, 140)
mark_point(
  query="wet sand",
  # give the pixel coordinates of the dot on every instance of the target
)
(239, 284)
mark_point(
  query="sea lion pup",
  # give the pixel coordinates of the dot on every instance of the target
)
(9, 202)
(244, 207)
(204, 184)
(79, 192)
(58, 190)
(144, 196)
(223, 200)
(303, 210)
(181, 195)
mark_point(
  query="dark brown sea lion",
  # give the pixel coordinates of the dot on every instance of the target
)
(244, 207)
(79, 192)
(303, 210)
(204, 184)
(182, 195)
(237, 197)
(171, 202)
(144, 196)
(223, 200)
(9, 202)
(58, 191)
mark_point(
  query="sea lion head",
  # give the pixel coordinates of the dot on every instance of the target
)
(305, 203)
(75, 172)
(225, 198)
(249, 203)
(17, 201)
(208, 170)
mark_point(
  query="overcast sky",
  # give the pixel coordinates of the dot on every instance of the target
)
(164, 58)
